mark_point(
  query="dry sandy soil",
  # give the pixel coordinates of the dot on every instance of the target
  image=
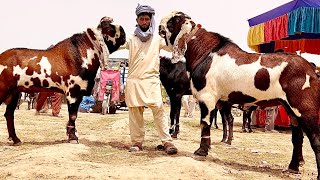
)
(103, 151)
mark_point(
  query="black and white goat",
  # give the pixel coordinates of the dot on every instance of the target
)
(176, 81)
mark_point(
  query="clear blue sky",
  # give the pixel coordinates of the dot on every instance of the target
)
(37, 24)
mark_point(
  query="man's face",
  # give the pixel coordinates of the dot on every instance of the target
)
(144, 22)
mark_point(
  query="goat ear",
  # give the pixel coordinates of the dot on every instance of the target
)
(180, 43)
(192, 24)
(179, 48)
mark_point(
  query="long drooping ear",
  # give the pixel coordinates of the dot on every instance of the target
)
(101, 34)
(180, 43)
(102, 47)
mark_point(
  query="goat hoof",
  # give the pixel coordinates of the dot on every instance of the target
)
(291, 171)
(16, 141)
(174, 136)
(73, 141)
(17, 144)
(201, 152)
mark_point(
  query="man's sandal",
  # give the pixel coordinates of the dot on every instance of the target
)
(169, 148)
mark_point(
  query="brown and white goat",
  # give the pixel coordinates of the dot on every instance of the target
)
(221, 70)
(68, 67)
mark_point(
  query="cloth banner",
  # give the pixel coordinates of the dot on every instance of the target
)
(276, 28)
(256, 35)
(304, 19)
(304, 45)
(282, 118)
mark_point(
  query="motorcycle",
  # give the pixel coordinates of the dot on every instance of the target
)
(108, 106)
(111, 87)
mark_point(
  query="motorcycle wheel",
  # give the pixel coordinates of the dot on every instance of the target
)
(112, 109)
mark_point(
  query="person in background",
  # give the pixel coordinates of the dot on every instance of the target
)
(164, 96)
(271, 115)
(96, 87)
(143, 82)
(42, 103)
(189, 104)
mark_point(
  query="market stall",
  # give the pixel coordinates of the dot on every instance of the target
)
(293, 27)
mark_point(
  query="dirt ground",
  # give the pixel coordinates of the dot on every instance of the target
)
(103, 151)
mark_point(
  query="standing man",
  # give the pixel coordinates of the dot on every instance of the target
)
(189, 105)
(42, 103)
(143, 82)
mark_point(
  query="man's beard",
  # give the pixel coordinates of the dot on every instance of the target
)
(144, 29)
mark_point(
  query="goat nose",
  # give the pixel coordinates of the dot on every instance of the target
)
(162, 32)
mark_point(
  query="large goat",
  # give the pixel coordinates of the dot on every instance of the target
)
(221, 70)
(176, 81)
(68, 67)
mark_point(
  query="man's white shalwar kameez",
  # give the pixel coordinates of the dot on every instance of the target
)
(143, 87)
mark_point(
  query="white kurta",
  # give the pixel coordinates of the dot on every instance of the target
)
(143, 82)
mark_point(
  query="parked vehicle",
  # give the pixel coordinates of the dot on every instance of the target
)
(112, 83)
(107, 105)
